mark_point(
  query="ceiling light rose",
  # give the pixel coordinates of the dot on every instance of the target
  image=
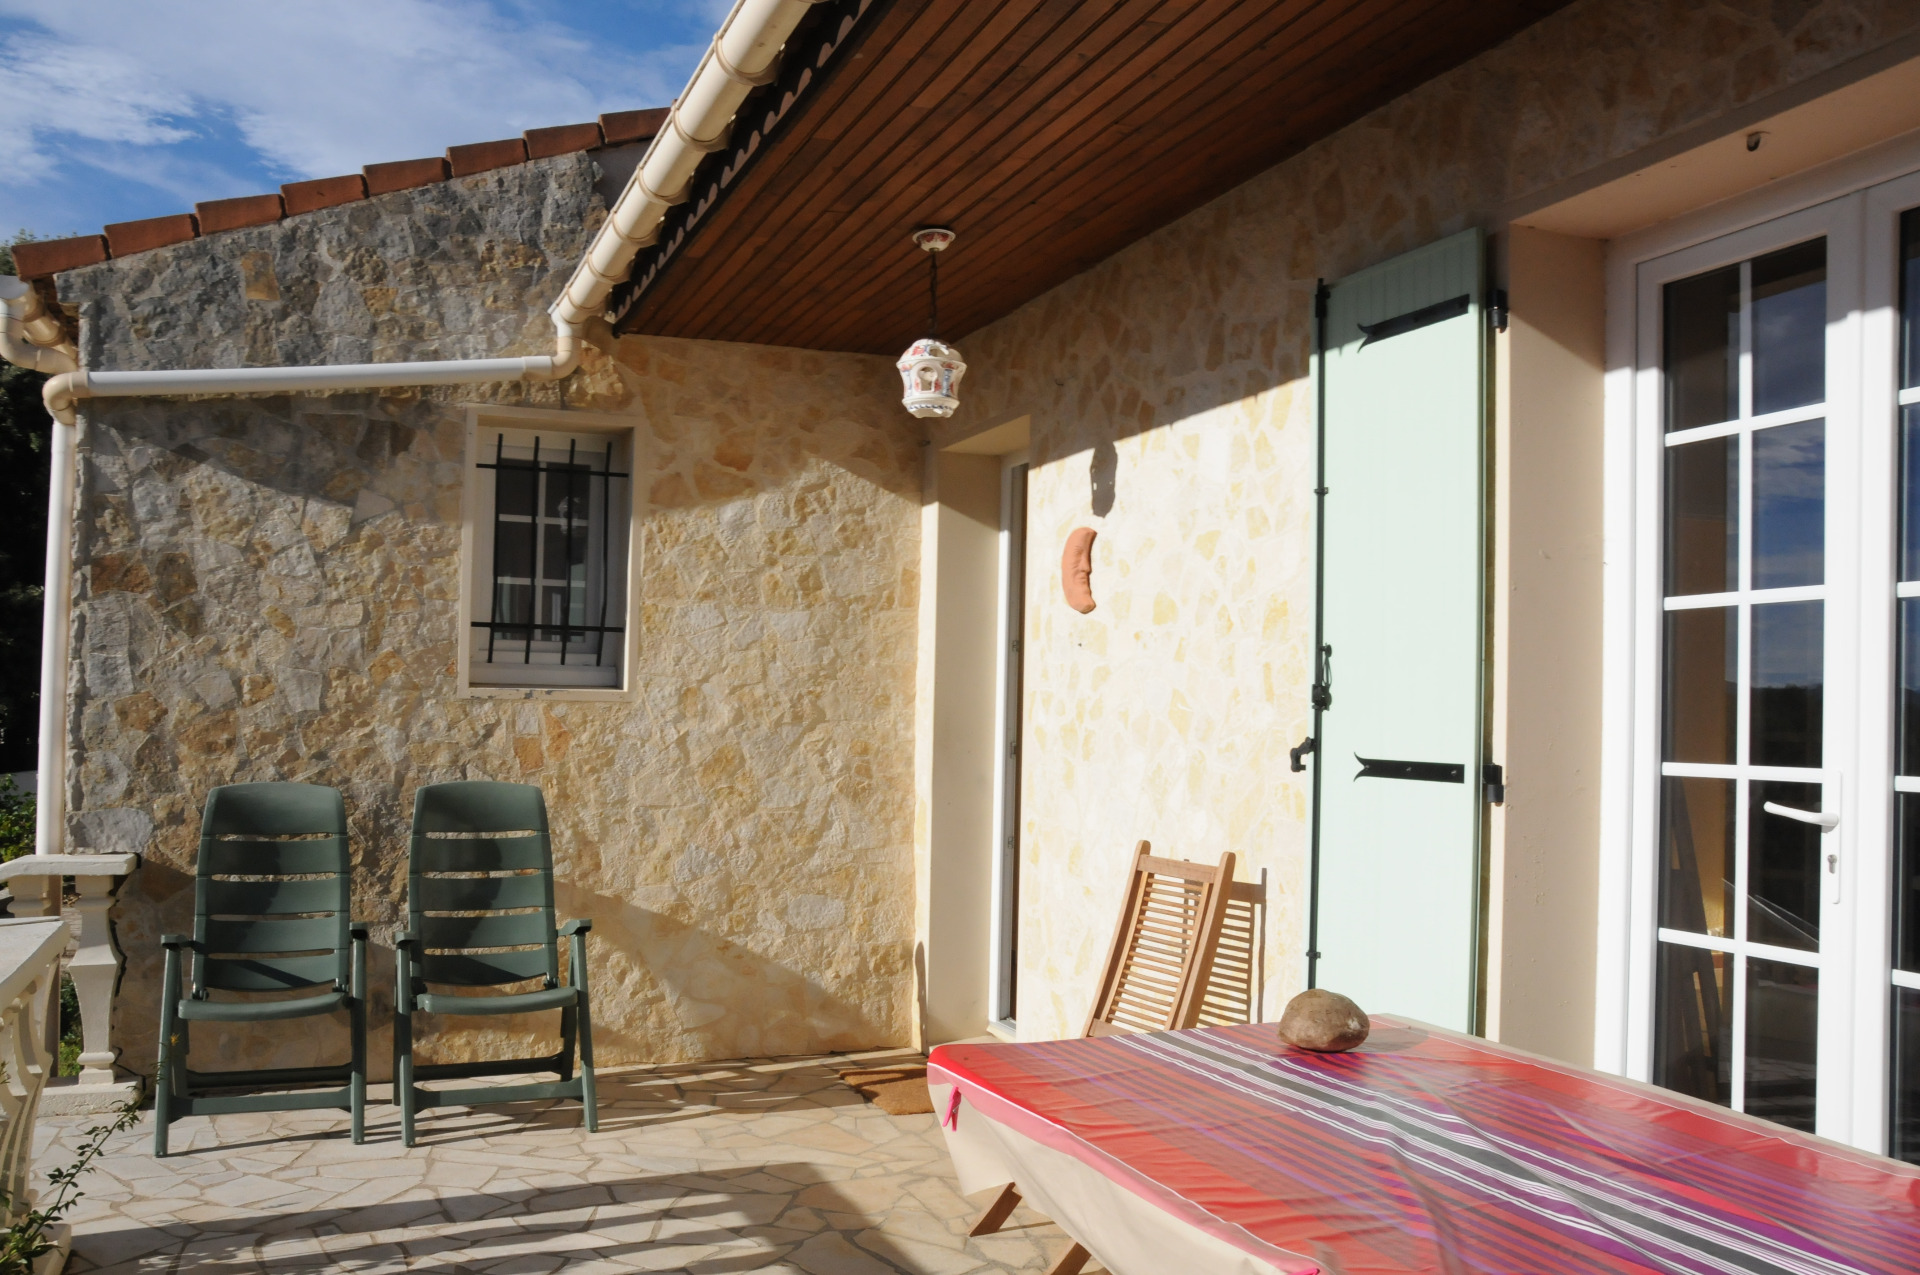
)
(930, 370)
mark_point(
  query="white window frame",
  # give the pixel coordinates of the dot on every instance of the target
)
(1871, 182)
(476, 551)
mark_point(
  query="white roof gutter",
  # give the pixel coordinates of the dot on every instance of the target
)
(744, 54)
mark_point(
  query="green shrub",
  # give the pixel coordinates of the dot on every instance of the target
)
(16, 820)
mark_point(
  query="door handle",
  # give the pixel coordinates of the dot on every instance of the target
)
(1819, 818)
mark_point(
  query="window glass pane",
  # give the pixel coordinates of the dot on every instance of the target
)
(1907, 707)
(513, 487)
(1906, 883)
(564, 556)
(513, 550)
(1910, 298)
(513, 604)
(1789, 505)
(1700, 685)
(1694, 1052)
(1696, 847)
(1783, 867)
(1783, 1011)
(1703, 517)
(566, 491)
(1787, 683)
(1910, 492)
(1905, 1142)
(1790, 327)
(1702, 356)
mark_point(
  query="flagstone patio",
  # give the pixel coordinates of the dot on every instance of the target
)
(760, 1165)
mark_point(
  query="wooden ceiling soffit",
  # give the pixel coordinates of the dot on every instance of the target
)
(820, 45)
(1050, 134)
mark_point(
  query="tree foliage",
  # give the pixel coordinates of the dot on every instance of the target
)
(24, 442)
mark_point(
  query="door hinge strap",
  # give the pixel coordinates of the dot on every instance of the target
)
(1494, 780)
(1433, 772)
(1298, 753)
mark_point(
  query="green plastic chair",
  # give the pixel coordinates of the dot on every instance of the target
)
(272, 895)
(480, 914)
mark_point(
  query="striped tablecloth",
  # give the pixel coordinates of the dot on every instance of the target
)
(1429, 1151)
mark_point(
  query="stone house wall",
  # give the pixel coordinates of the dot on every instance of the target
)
(1169, 399)
(267, 588)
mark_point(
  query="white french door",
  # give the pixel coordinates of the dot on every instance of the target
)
(1775, 655)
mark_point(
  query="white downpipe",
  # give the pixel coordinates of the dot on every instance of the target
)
(744, 53)
(56, 644)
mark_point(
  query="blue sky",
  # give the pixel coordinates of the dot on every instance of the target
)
(120, 109)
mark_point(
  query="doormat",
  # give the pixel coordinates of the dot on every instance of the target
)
(899, 1090)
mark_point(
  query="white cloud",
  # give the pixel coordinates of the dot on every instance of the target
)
(312, 89)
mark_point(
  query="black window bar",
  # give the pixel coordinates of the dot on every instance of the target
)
(539, 481)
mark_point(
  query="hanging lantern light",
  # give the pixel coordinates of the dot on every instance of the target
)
(930, 370)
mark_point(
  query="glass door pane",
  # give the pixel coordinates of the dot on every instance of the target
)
(1743, 701)
(1904, 1060)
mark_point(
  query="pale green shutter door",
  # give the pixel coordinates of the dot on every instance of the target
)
(1399, 751)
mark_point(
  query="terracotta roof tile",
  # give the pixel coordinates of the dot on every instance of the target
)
(323, 192)
(404, 174)
(237, 214)
(621, 127)
(51, 256)
(483, 157)
(563, 140)
(127, 237)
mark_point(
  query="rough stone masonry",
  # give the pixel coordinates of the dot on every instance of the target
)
(268, 588)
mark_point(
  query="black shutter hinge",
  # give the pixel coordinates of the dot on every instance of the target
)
(1321, 293)
(1322, 694)
(1497, 309)
(1493, 781)
(1305, 747)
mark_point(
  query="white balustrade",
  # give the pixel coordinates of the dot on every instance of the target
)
(35, 882)
(30, 951)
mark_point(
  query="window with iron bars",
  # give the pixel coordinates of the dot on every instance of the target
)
(550, 529)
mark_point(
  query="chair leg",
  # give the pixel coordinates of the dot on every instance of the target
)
(996, 1213)
(357, 1028)
(1070, 1261)
(589, 1102)
(172, 1053)
(567, 1037)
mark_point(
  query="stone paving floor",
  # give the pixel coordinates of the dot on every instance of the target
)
(761, 1165)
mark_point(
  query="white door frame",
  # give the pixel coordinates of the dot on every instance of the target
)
(1633, 607)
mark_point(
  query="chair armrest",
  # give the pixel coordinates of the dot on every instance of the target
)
(357, 930)
(179, 941)
(403, 939)
(571, 928)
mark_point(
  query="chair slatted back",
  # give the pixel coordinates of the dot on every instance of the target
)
(273, 890)
(1164, 946)
(480, 885)
(1231, 993)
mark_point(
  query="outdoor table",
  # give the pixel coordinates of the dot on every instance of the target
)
(1221, 1151)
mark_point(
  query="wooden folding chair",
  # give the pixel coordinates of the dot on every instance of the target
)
(1158, 970)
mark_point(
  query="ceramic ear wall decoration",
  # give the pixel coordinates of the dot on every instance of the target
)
(1076, 569)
